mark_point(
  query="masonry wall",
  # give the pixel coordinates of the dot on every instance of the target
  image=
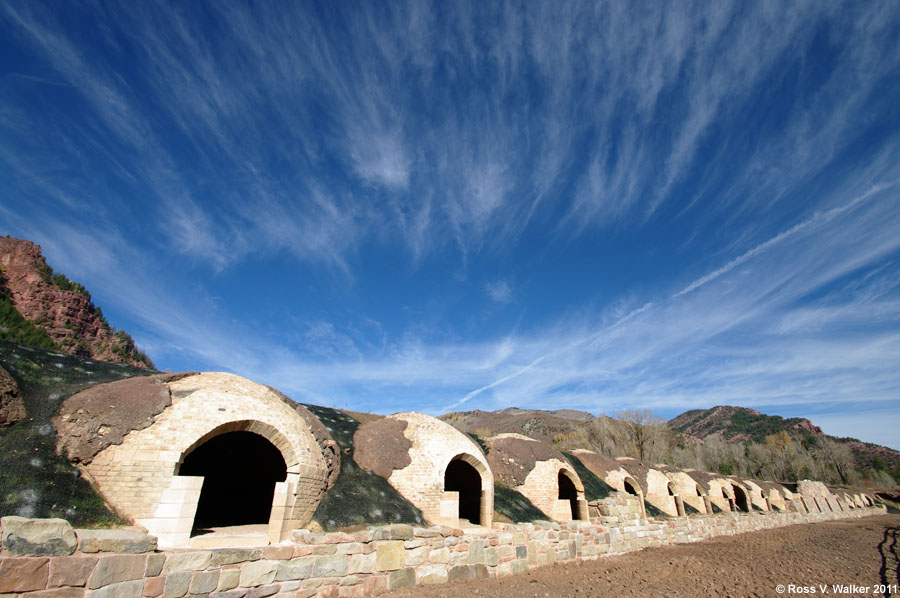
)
(357, 564)
(434, 445)
(139, 476)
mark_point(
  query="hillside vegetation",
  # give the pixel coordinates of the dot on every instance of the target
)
(727, 440)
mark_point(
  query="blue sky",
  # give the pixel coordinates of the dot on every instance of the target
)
(413, 206)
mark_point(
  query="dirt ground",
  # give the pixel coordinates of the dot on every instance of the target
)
(800, 558)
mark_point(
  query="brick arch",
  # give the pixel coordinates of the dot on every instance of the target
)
(630, 481)
(267, 431)
(480, 467)
(573, 477)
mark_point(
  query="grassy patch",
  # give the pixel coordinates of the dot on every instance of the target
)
(358, 497)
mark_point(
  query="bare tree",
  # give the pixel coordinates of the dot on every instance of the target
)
(644, 431)
(838, 456)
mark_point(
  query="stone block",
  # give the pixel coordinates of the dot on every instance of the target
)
(432, 574)
(228, 579)
(278, 553)
(491, 557)
(153, 587)
(262, 591)
(117, 568)
(238, 593)
(375, 585)
(177, 584)
(416, 556)
(397, 531)
(258, 573)
(125, 589)
(38, 537)
(331, 566)
(58, 593)
(111, 540)
(155, 564)
(70, 571)
(402, 578)
(389, 555)
(186, 561)
(461, 572)
(230, 556)
(294, 569)
(204, 582)
(439, 556)
(476, 552)
(361, 563)
(23, 574)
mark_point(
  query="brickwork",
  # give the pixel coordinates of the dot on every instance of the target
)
(658, 493)
(372, 561)
(688, 489)
(138, 474)
(541, 487)
(434, 445)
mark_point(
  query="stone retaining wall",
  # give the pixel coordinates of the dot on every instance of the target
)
(44, 559)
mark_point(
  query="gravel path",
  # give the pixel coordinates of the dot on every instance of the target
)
(801, 558)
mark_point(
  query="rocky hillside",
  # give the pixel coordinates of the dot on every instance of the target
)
(738, 424)
(724, 438)
(42, 308)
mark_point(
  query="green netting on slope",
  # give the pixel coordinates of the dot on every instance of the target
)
(358, 497)
(514, 506)
(34, 480)
(653, 511)
(594, 487)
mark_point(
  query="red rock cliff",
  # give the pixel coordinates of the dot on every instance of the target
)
(68, 316)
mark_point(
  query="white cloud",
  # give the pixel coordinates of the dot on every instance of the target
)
(499, 291)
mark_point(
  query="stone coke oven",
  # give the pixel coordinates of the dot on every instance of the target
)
(433, 465)
(178, 453)
(540, 473)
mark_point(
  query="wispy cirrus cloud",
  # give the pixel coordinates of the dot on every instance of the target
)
(697, 203)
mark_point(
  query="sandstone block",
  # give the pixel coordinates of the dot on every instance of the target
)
(277, 553)
(118, 541)
(204, 582)
(186, 561)
(177, 584)
(416, 556)
(294, 569)
(230, 556)
(432, 574)
(70, 571)
(397, 531)
(155, 564)
(476, 552)
(23, 574)
(389, 556)
(262, 591)
(238, 593)
(125, 589)
(331, 566)
(361, 563)
(38, 537)
(258, 573)
(228, 579)
(403, 578)
(117, 568)
(58, 593)
(153, 587)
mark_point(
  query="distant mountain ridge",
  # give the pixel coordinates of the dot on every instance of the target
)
(734, 427)
(43, 308)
